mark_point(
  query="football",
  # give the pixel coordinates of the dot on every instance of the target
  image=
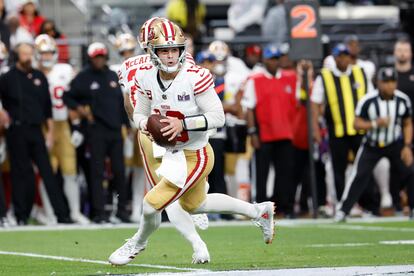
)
(154, 127)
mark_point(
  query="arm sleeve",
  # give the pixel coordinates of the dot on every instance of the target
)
(362, 110)
(318, 92)
(249, 95)
(142, 108)
(409, 110)
(211, 107)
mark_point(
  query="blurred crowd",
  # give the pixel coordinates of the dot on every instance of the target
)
(70, 154)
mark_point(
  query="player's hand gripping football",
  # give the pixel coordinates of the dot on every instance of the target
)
(174, 128)
(144, 130)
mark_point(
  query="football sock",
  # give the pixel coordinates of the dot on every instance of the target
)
(71, 189)
(150, 221)
(183, 222)
(224, 204)
(138, 190)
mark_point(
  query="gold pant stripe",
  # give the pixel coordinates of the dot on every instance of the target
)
(359, 78)
(193, 177)
(348, 104)
(148, 174)
(333, 102)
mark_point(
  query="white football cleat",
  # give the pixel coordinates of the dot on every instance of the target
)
(127, 252)
(200, 220)
(201, 255)
(265, 220)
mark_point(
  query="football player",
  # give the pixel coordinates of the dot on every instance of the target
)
(185, 94)
(125, 43)
(62, 153)
(177, 216)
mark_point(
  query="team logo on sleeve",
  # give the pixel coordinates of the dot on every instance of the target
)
(37, 82)
(183, 97)
(94, 86)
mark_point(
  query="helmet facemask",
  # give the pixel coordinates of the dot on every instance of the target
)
(156, 60)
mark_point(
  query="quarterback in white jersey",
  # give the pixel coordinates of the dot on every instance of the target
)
(62, 153)
(186, 95)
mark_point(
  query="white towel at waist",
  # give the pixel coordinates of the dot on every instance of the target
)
(158, 151)
(174, 167)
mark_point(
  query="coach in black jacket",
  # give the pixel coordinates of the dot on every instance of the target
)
(25, 97)
(95, 95)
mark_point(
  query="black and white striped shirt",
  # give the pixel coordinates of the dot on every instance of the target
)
(372, 107)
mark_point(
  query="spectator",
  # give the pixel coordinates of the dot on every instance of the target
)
(4, 28)
(274, 25)
(25, 97)
(48, 27)
(245, 16)
(30, 18)
(270, 101)
(329, 88)
(188, 14)
(95, 94)
(18, 34)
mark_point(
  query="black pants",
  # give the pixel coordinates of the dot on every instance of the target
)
(26, 144)
(3, 209)
(339, 149)
(216, 176)
(105, 142)
(280, 154)
(302, 175)
(365, 162)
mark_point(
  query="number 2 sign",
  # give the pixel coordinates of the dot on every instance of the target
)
(305, 30)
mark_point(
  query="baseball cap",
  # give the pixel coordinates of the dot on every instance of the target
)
(97, 49)
(271, 51)
(203, 56)
(340, 49)
(387, 74)
(253, 49)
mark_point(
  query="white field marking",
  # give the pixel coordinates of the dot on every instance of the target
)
(282, 222)
(81, 260)
(402, 242)
(356, 244)
(316, 271)
(366, 228)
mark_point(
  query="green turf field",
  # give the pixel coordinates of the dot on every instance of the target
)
(231, 247)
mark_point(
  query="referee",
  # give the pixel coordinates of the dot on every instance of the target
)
(386, 117)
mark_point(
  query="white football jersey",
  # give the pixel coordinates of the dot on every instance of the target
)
(59, 79)
(128, 70)
(178, 100)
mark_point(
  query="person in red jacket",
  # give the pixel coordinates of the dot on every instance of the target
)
(30, 18)
(271, 103)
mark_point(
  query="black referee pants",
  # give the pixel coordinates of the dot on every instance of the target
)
(367, 158)
(105, 142)
(281, 155)
(26, 144)
(216, 176)
(339, 149)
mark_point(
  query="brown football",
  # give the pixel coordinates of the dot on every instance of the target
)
(154, 127)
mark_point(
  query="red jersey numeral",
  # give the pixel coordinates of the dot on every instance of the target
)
(57, 97)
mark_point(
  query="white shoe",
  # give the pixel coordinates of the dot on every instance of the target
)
(340, 216)
(265, 220)
(79, 218)
(386, 201)
(200, 220)
(127, 252)
(201, 255)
